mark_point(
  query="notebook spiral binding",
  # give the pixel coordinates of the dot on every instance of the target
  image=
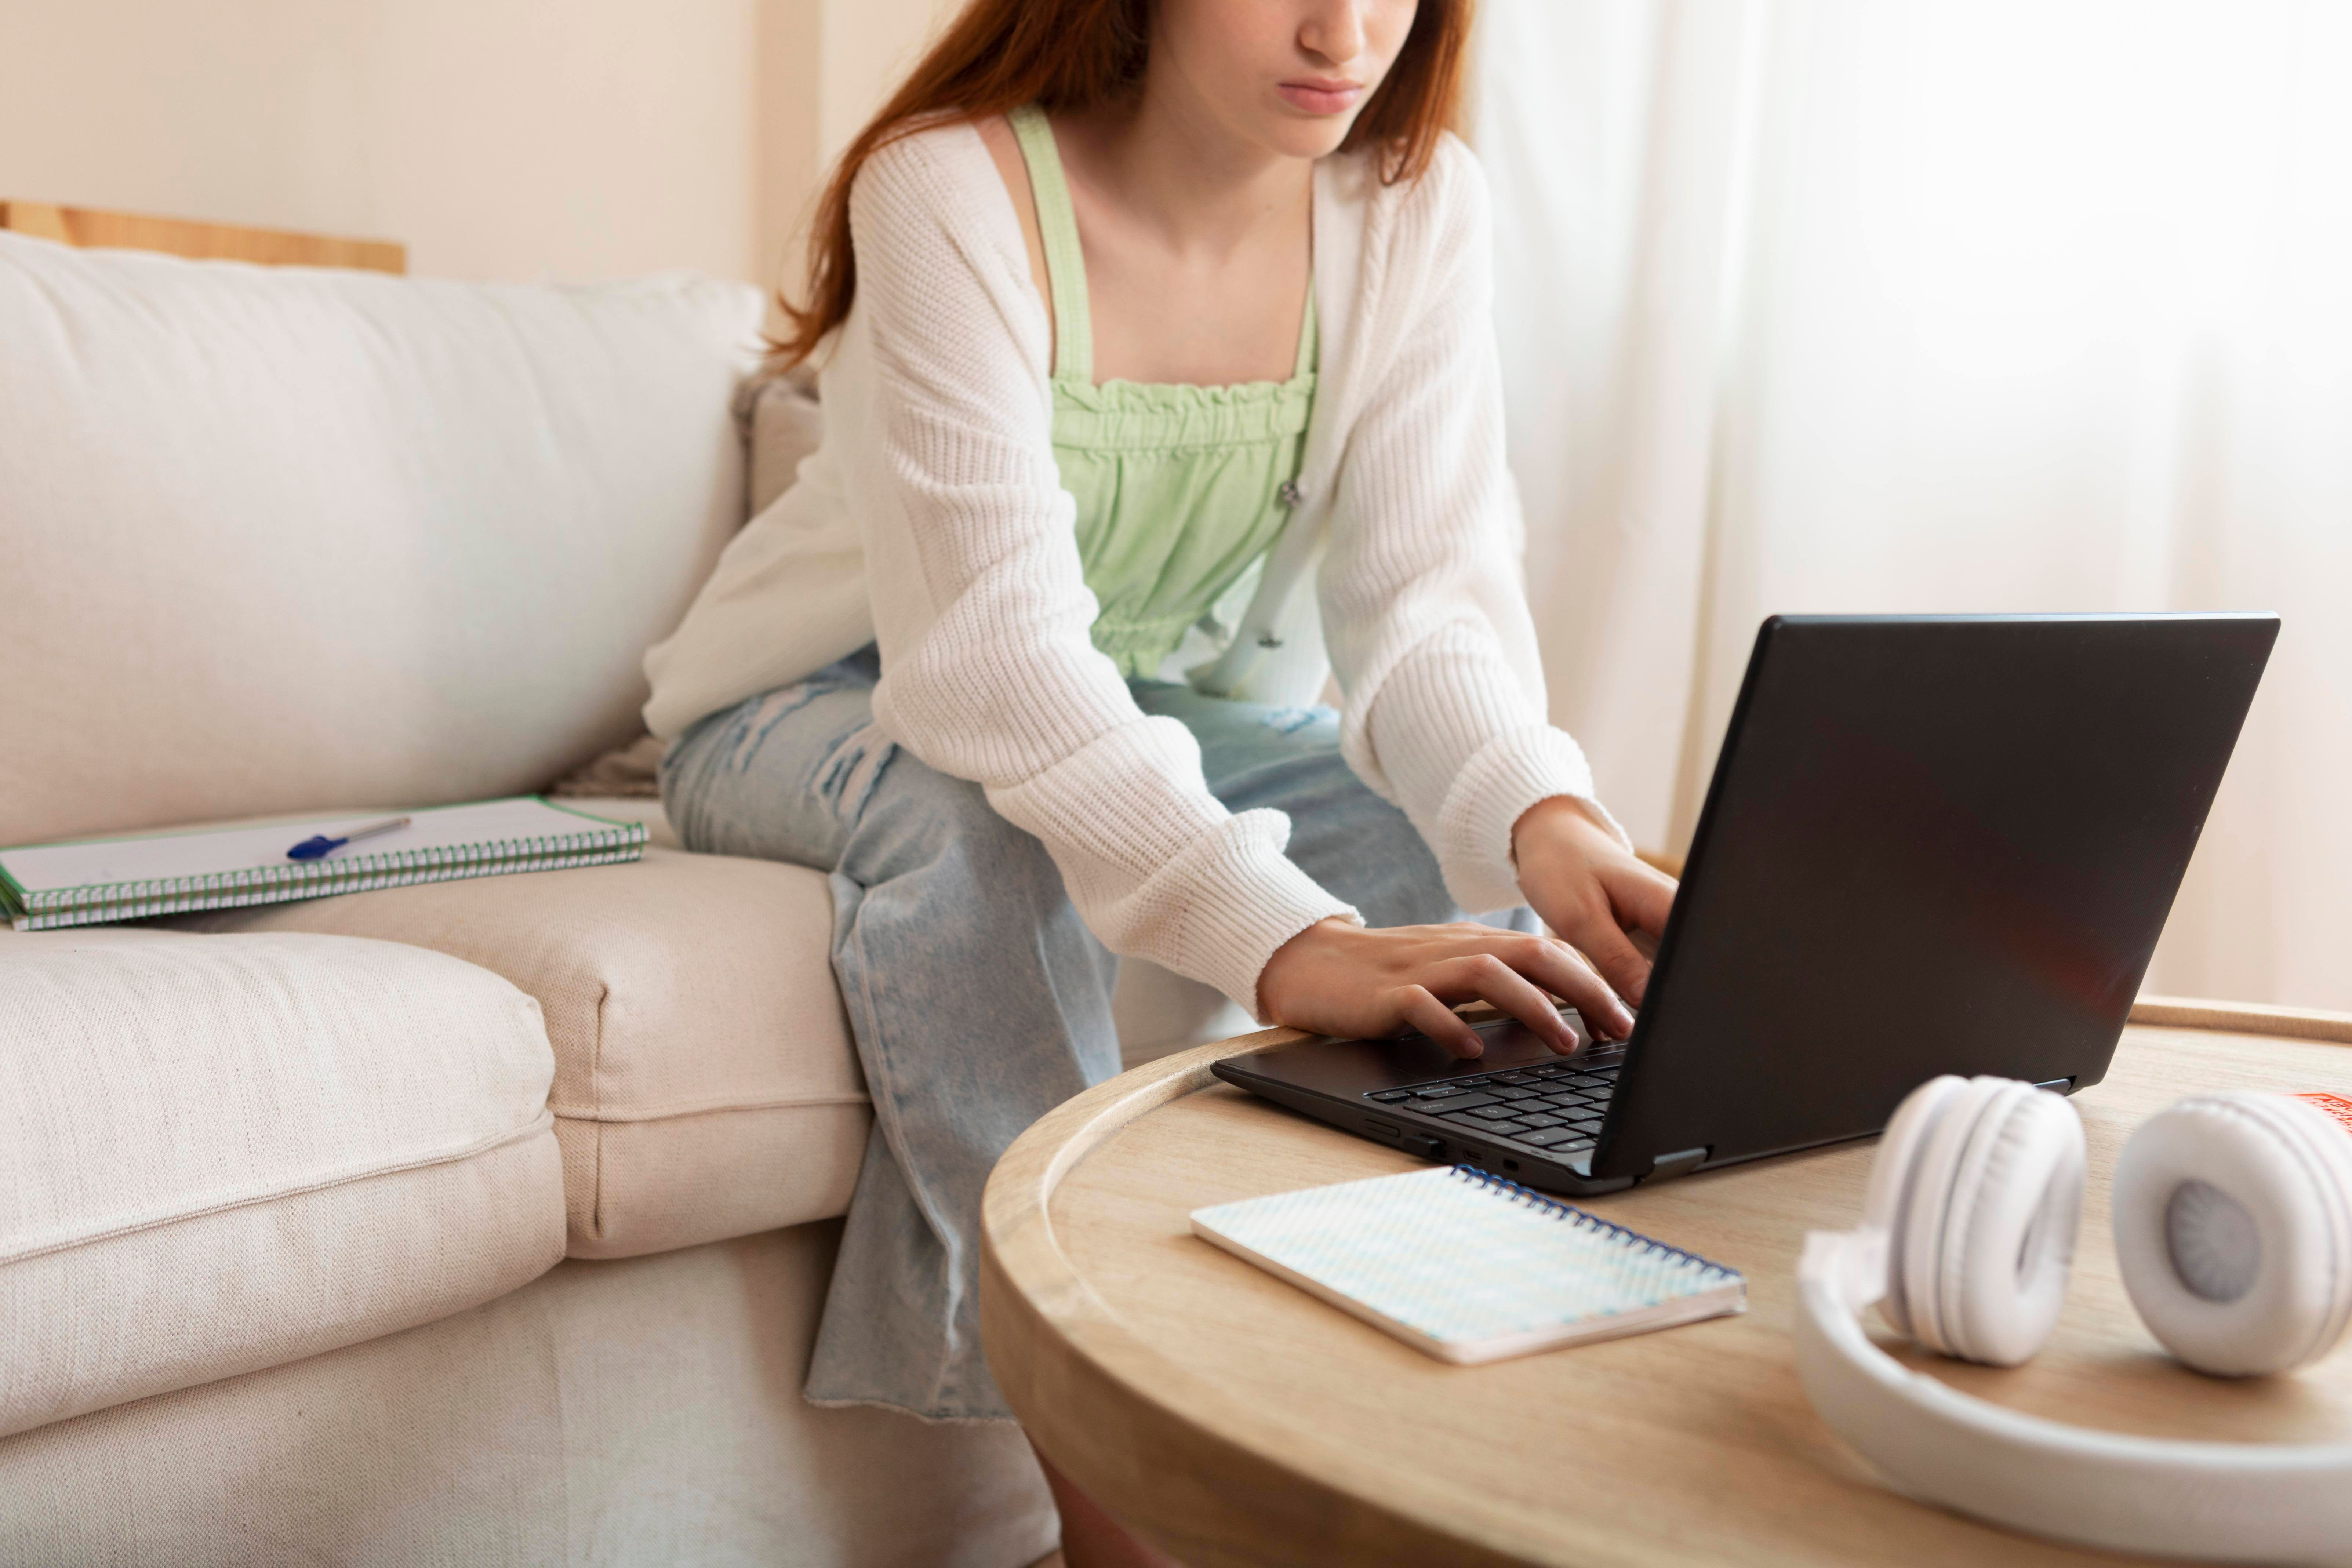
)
(389, 867)
(1529, 1198)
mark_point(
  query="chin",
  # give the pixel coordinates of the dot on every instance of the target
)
(1296, 135)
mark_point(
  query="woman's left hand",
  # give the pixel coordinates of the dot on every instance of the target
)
(1592, 890)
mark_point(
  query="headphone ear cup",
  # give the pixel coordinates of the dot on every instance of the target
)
(2233, 1220)
(1920, 1262)
(1943, 1186)
(2015, 1212)
(1894, 1183)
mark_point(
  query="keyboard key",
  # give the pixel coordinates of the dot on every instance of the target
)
(1438, 1091)
(1514, 1078)
(1555, 1138)
(1543, 1119)
(1390, 1096)
(1490, 1113)
(1449, 1105)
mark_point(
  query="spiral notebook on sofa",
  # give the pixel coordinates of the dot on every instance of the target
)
(90, 880)
(1467, 1267)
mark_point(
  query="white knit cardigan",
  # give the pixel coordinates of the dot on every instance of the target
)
(933, 519)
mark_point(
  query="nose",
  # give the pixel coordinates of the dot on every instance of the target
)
(1333, 31)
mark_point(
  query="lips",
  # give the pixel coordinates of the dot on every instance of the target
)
(1317, 96)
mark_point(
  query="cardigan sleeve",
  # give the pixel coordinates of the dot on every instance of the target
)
(1424, 606)
(989, 672)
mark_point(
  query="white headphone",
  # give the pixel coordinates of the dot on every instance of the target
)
(2233, 1229)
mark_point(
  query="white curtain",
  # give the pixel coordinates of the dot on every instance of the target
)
(1817, 305)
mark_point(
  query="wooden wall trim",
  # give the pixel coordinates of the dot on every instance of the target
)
(90, 227)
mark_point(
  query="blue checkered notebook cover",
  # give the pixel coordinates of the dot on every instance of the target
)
(1471, 1267)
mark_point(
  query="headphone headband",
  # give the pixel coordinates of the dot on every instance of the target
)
(2238, 1502)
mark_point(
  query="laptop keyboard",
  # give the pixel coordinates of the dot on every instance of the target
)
(1553, 1106)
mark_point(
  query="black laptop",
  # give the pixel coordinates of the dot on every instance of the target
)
(1933, 844)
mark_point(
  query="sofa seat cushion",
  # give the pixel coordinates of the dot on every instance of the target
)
(705, 1082)
(217, 1156)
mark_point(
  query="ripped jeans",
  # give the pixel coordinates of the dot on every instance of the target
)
(978, 998)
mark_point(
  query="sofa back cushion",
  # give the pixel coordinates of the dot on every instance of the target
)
(285, 538)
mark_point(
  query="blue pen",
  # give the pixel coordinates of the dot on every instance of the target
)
(322, 847)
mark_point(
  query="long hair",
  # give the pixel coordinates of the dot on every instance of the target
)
(1073, 55)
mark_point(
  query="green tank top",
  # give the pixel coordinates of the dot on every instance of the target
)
(1181, 490)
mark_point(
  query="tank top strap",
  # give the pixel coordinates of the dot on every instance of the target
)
(1310, 334)
(1065, 262)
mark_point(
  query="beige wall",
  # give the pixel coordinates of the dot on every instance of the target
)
(517, 139)
(867, 46)
(826, 66)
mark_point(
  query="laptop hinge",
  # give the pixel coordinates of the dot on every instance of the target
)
(1682, 1163)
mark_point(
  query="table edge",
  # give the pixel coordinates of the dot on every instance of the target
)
(2242, 1018)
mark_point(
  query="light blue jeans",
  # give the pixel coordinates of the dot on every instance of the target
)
(979, 1000)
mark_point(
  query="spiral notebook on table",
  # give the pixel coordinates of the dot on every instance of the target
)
(88, 880)
(1470, 1268)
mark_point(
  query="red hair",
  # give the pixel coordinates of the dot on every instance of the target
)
(1073, 55)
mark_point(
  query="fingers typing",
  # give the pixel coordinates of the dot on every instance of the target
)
(1558, 969)
(1619, 961)
(1486, 977)
(1419, 1008)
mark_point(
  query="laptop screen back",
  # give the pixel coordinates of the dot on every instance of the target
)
(1931, 845)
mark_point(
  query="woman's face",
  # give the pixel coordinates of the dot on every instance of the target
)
(1287, 74)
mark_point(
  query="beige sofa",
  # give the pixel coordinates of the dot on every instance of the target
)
(480, 1222)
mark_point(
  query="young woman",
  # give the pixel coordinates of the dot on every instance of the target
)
(1127, 310)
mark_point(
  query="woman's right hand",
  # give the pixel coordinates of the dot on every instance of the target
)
(1334, 978)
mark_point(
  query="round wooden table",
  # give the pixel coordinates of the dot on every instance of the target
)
(1234, 1419)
